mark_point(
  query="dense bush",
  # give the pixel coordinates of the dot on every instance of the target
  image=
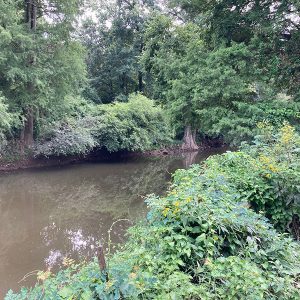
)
(200, 241)
(239, 125)
(7, 121)
(267, 175)
(135, 125)
(68, 138)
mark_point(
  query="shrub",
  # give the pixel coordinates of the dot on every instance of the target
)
(266, 175)
(6, 121)
(137, 125)
(239, 124)
(68, 138)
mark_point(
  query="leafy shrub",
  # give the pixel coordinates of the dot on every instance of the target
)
(266, 175)
(239, 124)
(68, 138)
(137, 125)
(6, 121)
(200, 241)
(278, 112)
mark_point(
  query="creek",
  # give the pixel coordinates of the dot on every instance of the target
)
(52, 213)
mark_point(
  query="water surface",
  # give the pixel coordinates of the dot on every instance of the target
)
(49, 214)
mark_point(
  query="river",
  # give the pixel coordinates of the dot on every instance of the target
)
(49, 214)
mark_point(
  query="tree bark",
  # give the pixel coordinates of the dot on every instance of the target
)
(295, 227)
(140, 74)
(140, 85)
(31, 13)
(27, 131)
(189, 139)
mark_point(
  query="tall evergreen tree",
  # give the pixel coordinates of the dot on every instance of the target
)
(217, 85)
(40, 61)
(270, 29)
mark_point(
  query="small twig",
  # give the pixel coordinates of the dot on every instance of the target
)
(28, 275)
(110, 229)
(101, 258)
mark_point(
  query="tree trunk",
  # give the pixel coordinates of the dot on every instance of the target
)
(27, 131)
(140, 74)
(295, 227)
(140, 85)
(31, 14)
(189, 142)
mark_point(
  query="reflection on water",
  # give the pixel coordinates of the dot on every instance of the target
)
(46, 215)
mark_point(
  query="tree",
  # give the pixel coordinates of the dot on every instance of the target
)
(200, 87)
(114, 45)
(164, 49)
(270, 29)
(217, 67)
(37, 52)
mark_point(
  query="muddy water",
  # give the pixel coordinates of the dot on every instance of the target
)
(49, 214)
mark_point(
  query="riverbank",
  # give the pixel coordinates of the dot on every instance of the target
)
(29, 162)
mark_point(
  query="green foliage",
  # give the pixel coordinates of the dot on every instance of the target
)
(39, 68)
(114, 43)
(270, 31)
(219, 91)
(136, 125)
(218, 71)
(6, 122)
(266, 175)
(69, 138)
(277, 112)
(239, 123)
(78, 284)
(200, 241)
